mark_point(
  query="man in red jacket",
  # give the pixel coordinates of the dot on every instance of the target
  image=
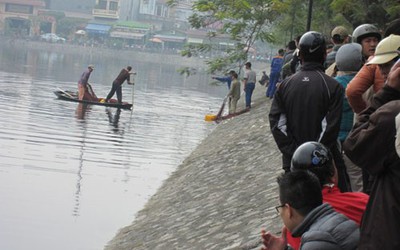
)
(123, 76)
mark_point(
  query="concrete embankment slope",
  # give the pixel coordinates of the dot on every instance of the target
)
(220, 196)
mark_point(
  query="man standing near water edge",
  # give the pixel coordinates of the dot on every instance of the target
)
(249, 82)
(117, 83)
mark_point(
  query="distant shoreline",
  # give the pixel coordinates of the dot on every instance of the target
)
(144, 56)
(137, 55)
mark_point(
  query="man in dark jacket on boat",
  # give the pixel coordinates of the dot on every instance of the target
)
(123, 76)
(85, 91)
(304, 214)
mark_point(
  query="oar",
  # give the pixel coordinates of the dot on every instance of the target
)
(222, 108)
(133, 86)
(66, 93)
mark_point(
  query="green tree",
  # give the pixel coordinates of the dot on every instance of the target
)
(378, 12)
(244, 21)
(329, 13)
(275, 21)
(291, 22)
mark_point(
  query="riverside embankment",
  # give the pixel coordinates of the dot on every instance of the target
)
(221, 196)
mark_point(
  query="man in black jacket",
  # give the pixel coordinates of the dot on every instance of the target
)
(308, 105)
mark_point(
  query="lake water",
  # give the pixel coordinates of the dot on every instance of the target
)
(70, 175)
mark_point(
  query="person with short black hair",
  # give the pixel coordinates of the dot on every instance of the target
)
(124, 75)
(304, 214)
(249, 82)
(316, 158)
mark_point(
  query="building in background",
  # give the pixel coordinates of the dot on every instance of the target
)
(20, 17)
(147, 24)
(106, 10)
(73, 6)
(129, 10)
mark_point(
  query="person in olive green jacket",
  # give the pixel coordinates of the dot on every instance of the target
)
(234, 93)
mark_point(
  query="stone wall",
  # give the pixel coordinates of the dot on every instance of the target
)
(220, 197)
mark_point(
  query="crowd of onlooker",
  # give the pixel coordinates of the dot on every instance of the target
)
(335, 118)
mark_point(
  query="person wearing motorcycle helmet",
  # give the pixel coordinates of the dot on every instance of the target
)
(308, 89)
(312, 47)
(368, 36)
(369, 79)
(371, 145)
(315, 157)
(348, 62)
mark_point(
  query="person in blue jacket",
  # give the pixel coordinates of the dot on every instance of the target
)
(227, 79)
(276, 68)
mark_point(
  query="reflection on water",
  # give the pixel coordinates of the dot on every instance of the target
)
(81, 110)
(73, 174)
(114, 118)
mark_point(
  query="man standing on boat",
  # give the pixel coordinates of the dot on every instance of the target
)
(123, 76)
(85, 91)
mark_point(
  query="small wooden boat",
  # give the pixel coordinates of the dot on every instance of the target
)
(228, 116)
(73, 97)
(212, 117)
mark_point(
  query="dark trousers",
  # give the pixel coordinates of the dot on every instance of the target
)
(249, 92)
(343, 177)
(273, 80)
(286, 163)
(116, 87)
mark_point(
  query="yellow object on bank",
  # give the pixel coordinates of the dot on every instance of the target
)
(210, 117)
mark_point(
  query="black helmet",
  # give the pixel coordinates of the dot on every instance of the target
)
(312, 42)
(310, 155)
(365, 30)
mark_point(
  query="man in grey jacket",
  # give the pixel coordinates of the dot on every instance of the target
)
(303, 213)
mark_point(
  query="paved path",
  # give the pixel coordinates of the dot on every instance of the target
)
(220, 196)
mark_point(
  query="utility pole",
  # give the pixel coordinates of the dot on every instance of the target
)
(309, 17)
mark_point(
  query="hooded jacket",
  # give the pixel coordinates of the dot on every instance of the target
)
(323, 228)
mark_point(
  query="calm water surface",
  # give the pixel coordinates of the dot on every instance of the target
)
(72, 175)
